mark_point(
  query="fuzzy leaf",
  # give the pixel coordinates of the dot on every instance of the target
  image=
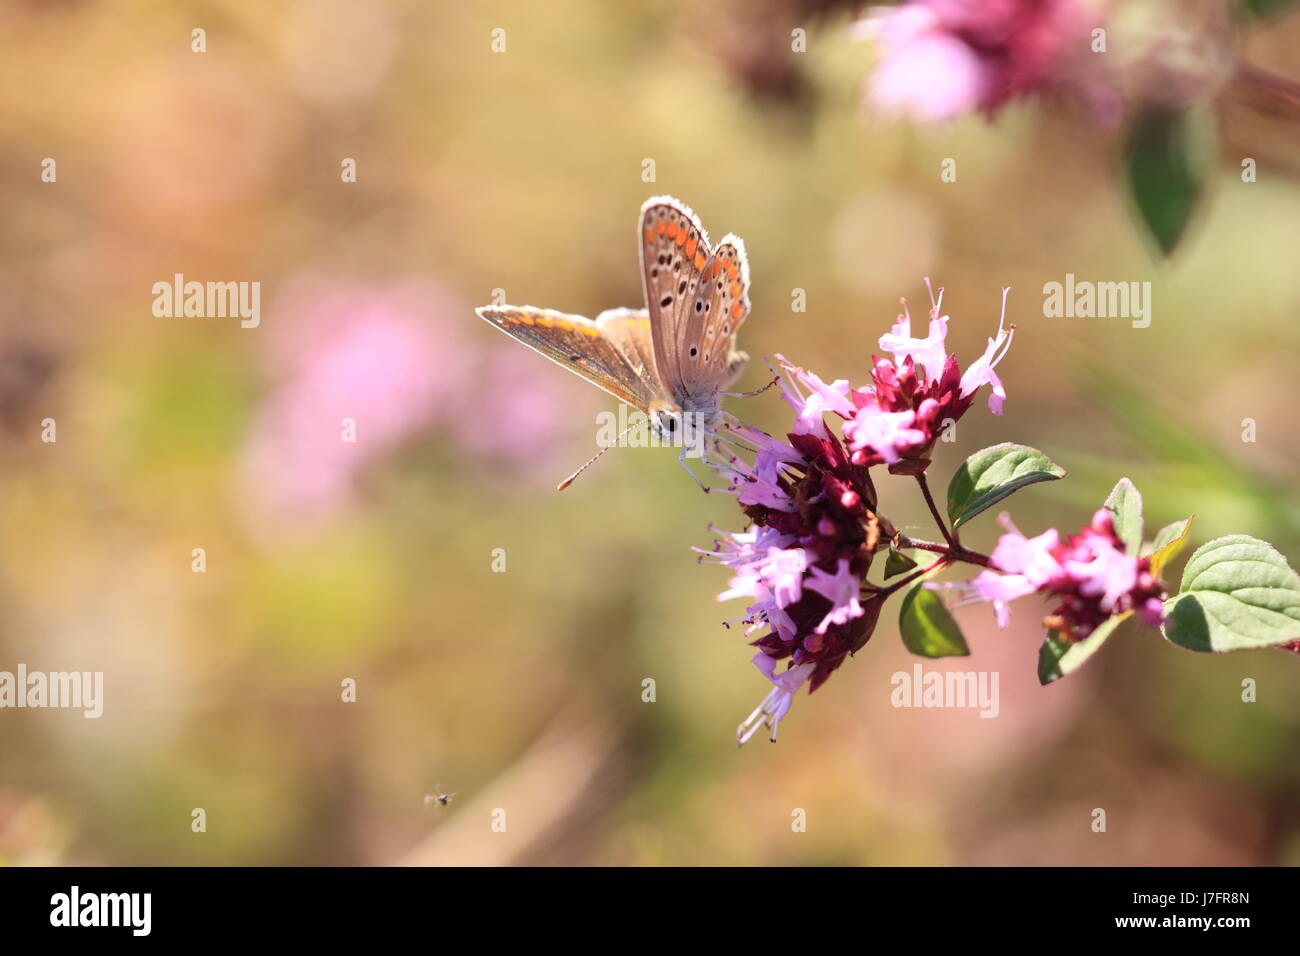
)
(1169, 543)
(897, 563)
(1237, 592)
(1125, 505)
(1058, 657)
(991, 474)
(927, 627)
(1163, 173)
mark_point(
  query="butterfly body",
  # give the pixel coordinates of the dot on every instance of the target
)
(673, 358)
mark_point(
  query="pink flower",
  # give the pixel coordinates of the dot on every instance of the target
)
(926, 70)
(821, 398)
(803, 563)
(783, 573)
(360, 371)
(1030, 558)
(810, 511)
(1090, 573)
(517, 410)
(884, 432)
(929, 351)
(980, 372)
(901, 414)
(841, 589)
(941, 58)
(777, 703)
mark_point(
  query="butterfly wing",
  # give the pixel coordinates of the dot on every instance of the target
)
(697, 298)
(674, 254)
(593, 350)
(707, 348)
(629, 331)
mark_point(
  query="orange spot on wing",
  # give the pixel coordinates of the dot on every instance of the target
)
(699, 260)
(649, 235)
(731, 269)
(521, 319)
(663, 227)
(737, 311)
(735, 290)
(672, 230)
(690, 248)
(681, 237)
(717, 267)
(590, 331)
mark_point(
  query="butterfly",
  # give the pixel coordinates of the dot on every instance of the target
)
(672, 359)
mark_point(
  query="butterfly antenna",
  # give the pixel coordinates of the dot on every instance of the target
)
(592, 460)
(757, 391)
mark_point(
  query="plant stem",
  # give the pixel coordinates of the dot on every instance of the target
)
(905, 543)
(948, 536)
(957, 553)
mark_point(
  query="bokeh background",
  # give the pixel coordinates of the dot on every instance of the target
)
(522, 171)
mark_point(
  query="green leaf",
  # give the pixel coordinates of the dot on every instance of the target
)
(1125, 505)
(990, 475)
(1058, 657)
(1163, 173)
(1169, 543)
(897, 563)
(926, 626)
(1260, 9)
(1237, 592)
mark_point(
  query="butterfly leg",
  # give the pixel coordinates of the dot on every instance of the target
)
(681, 460)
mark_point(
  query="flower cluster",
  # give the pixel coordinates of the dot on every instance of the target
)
(804, 560)
(904, 410)
(1089, 571)
(942, 58)
(814, 532)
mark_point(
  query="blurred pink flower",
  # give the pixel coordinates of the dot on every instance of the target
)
(942, 58)
(362, 369)
(529, 404)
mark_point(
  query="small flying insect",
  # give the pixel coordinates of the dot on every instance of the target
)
(438, 797)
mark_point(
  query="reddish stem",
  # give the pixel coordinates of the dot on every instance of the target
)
(950, 537)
